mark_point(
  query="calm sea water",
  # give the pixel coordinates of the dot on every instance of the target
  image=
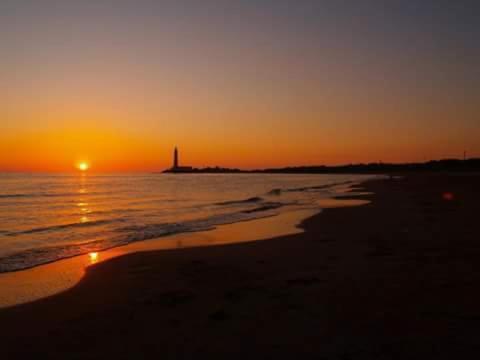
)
(44, 218)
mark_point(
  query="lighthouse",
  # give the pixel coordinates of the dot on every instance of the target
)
(176, 168)
(175, 159)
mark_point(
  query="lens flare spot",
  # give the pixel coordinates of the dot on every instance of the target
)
(448, 196)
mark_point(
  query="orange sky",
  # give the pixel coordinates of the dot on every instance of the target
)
(251, 87)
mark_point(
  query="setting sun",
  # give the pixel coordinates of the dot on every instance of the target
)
(83, 166)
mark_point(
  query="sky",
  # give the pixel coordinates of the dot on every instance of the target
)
(246, 83)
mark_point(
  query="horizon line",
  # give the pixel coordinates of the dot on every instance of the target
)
(258, 169)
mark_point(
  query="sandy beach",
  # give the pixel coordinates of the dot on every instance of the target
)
(394, 279)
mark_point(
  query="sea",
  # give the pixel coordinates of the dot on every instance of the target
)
(46, 218)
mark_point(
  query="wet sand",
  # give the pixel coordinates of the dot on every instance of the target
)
(50, 279)
(394, 279)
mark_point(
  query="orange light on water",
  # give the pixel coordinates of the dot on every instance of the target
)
(93, 256)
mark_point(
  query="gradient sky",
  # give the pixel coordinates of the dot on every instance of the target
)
(236, 83)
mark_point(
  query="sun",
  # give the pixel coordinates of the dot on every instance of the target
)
(83, 166)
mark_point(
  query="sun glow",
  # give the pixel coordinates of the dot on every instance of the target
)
(83, 166)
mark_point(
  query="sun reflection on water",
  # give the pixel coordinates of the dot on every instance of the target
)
(93, 256)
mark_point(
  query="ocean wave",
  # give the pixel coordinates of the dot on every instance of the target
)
(264, 207)
(49, 195)
(150, 231)
(255, 199)
(319, 187)
(62, 227)
(279, 191)
(13, 196)
(126, 235)
(275, 192)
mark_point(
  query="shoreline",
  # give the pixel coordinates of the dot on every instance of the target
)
(59, 276)
(382, 280)
(19, 261)
(52, 278)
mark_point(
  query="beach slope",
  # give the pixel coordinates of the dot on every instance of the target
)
(395, 279)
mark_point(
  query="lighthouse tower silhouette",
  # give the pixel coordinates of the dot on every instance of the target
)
(175, 158)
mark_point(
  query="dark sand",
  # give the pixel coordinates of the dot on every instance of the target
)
(396, 279)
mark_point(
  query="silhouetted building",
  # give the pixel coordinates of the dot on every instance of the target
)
(175, 158)
(176, 168)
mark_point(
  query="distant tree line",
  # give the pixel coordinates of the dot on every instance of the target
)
(451, 165)
(434, 165)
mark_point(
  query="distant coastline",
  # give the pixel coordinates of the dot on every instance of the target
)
(468, 165)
